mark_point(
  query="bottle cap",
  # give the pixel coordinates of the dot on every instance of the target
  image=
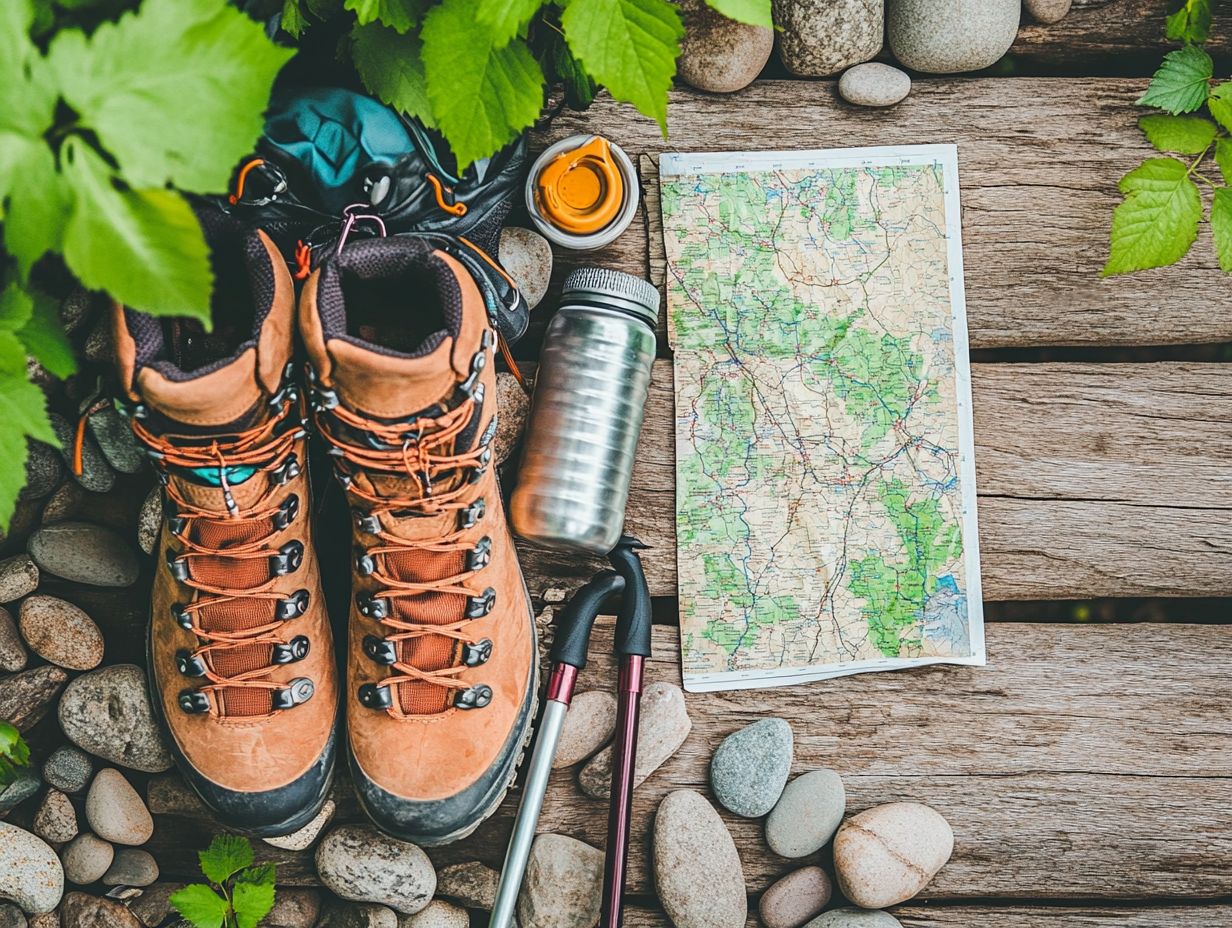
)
(616, 289)
(582, 192)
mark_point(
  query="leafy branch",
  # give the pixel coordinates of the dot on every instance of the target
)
(14, 754)
(239, 894)
(1157, 222)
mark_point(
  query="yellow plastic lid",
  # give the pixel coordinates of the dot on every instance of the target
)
(581, 191)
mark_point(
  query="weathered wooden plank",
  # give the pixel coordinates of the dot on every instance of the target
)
(1085, 762)
(1039, 161)
(985, 916)
(1093, 480)
(1110, 37)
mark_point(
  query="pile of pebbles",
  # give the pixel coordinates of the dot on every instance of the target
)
(827, 38)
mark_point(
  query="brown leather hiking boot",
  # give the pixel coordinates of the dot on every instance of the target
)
(441, 658)
(241, 659)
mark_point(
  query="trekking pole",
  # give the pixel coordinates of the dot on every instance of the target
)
(633, 646)
(568, 656)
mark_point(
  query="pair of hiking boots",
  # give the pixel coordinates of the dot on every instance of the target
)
(440, 654)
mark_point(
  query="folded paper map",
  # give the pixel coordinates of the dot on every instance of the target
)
(825, 485)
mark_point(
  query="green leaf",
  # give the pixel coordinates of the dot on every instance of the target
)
(16, 307)
(13, 752)
(25, 416)
(200, 905)
(753, 12)
(1158, 221)
(293, 22)
(1180, 84)
(176, 91)
(505, 19)
(400, 15)
(1223, 158)
(253, 897)
(27, 99)
(1221, 227)
(482, 95)
(1191, 23)
(43, 337)
(226, 856)
(143, 247)
(391, 67)
(1189, 135)
(629, 46)
(34, 224)
(1220, 104)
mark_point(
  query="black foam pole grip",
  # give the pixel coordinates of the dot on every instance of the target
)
(576, 619)
(634, 619)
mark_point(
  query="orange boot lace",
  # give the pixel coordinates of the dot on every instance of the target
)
(229, 562)
(424, 620)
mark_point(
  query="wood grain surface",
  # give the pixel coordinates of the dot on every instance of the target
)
(1093, 480)
(1039, 160)
(1085, 762)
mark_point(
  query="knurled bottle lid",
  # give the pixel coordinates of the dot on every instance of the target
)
(616, 288)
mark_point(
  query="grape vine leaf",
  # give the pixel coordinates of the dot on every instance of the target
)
(391, 67)
(1220, 104)
(753, 12)
(43, 337)
(24, 405)
(1221, 227)
(482, 95)
(253, 896)
(399, 15)
(1223, 158)
(1158, 220)
(1188, 135)
(27, 101)
(226, 856)
(144, 247)
(1191, 23)
(506, 18)
(629, 46)
(1180, 84)
(293, 22)
(200, 905)
(201, 58)
(35, 221)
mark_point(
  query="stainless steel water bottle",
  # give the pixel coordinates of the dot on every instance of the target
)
(586, 413)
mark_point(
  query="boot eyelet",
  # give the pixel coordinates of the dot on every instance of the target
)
(189, 664)
(194, 702)
(481, 466)
(481, 555)
(178, 566)
(470, 516)
(476, 697)
(287, 513)
(372, 607)
(288, 559)
(372, 696)
(380, 651)
(293, 651)
(286, 471)
(182, 616)
(367, 522)
(475, 653)
(479, 606)
(324, 399)
(365, 563)
(296, 693)
(292, 607)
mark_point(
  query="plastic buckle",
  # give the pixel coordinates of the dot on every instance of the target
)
(372, 696)
(294, 650)
(479, 606)
(287, 512)
(476, 697)
(292, 607)
(380, 651)
(296, 693)
(189, 664)
(480, 555)
(288, 559)
(475, 653)
(372, 607)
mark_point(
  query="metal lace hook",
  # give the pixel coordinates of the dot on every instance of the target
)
(350, 216)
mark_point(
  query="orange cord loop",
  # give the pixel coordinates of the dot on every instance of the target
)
(454, 209)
